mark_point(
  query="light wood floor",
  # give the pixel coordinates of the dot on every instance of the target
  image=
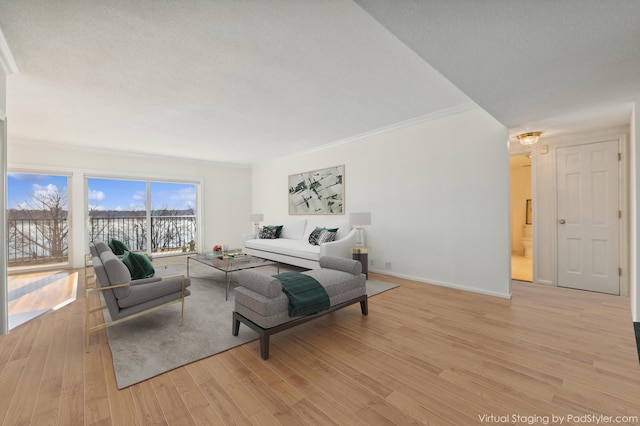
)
(423, 355)
(33, 294)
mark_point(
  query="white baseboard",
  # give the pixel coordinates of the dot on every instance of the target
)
(442, 284)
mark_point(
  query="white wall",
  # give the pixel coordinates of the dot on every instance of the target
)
(226, 189)
(4, 300)
(3, 96)
(438, 193)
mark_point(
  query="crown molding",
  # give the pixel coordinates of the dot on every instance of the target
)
(407, 123)
(7, 63)
(58, 146)
(458, 109)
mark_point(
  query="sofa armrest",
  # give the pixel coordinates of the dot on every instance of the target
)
(339, 248)
(263, 284)
(247, 237)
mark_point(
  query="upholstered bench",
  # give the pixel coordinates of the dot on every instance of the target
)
(261, 304)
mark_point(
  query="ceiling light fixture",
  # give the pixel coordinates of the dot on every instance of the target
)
(529, 138)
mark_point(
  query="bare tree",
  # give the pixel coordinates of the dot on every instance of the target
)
(47, 232)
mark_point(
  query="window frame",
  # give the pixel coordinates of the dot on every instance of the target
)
(197, 185)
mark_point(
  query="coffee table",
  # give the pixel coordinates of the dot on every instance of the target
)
(232, 265)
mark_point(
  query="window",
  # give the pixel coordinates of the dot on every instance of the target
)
(173, 220)
(37, 216)
(138, 212)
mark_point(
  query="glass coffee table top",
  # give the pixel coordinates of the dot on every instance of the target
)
(227, 266)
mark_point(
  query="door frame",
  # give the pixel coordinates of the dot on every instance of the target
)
(623, 196)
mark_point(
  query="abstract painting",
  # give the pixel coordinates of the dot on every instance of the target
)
(317, 191)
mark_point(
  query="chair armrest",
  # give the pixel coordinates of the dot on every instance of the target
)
(141, 281)
(109, 287)
(150, 292)
(182, 280)
(172, 276)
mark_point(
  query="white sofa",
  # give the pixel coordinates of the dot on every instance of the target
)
(293, 247)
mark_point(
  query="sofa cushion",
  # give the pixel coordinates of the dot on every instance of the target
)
(139, 265)
(117, 273)
(103, 281)
(100, 247)
(287, 247)
(336, 282)
(261, 305)
(294, 229)
(151, 291)
(118, 247)
(130, 310)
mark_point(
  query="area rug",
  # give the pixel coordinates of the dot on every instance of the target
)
(157, 342)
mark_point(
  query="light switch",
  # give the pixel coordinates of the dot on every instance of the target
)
(544, 149)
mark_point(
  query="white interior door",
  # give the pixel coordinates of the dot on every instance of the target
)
(588, 217)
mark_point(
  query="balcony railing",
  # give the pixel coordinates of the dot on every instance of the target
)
(44, 241)
(37, 242)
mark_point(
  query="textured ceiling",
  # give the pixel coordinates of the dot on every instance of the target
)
(553, 65)
(248, 81)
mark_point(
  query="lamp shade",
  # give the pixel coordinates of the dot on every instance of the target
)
(360, 219)
(256, 217)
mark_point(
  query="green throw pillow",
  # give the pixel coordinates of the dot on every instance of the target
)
(278, 229)
(139, 265)
(118, 247)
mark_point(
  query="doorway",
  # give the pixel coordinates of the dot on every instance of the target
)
(521, 218)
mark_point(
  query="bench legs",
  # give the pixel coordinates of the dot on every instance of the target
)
(364, 306)
(262, 332)
(265, 333)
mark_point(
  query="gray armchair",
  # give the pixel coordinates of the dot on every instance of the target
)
(123, 297)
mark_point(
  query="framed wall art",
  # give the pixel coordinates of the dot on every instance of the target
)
(317, 192)
(529, 214)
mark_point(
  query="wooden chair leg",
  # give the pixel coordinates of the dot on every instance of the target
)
(235, 329)
(364, 306)
(264, 346)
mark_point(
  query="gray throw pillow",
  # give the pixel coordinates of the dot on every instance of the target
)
(268, 233)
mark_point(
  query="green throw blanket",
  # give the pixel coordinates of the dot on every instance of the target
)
(306, 295)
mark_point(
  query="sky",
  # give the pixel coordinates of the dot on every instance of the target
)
(104, 194)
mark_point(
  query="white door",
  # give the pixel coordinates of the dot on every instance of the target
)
(588, 217)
